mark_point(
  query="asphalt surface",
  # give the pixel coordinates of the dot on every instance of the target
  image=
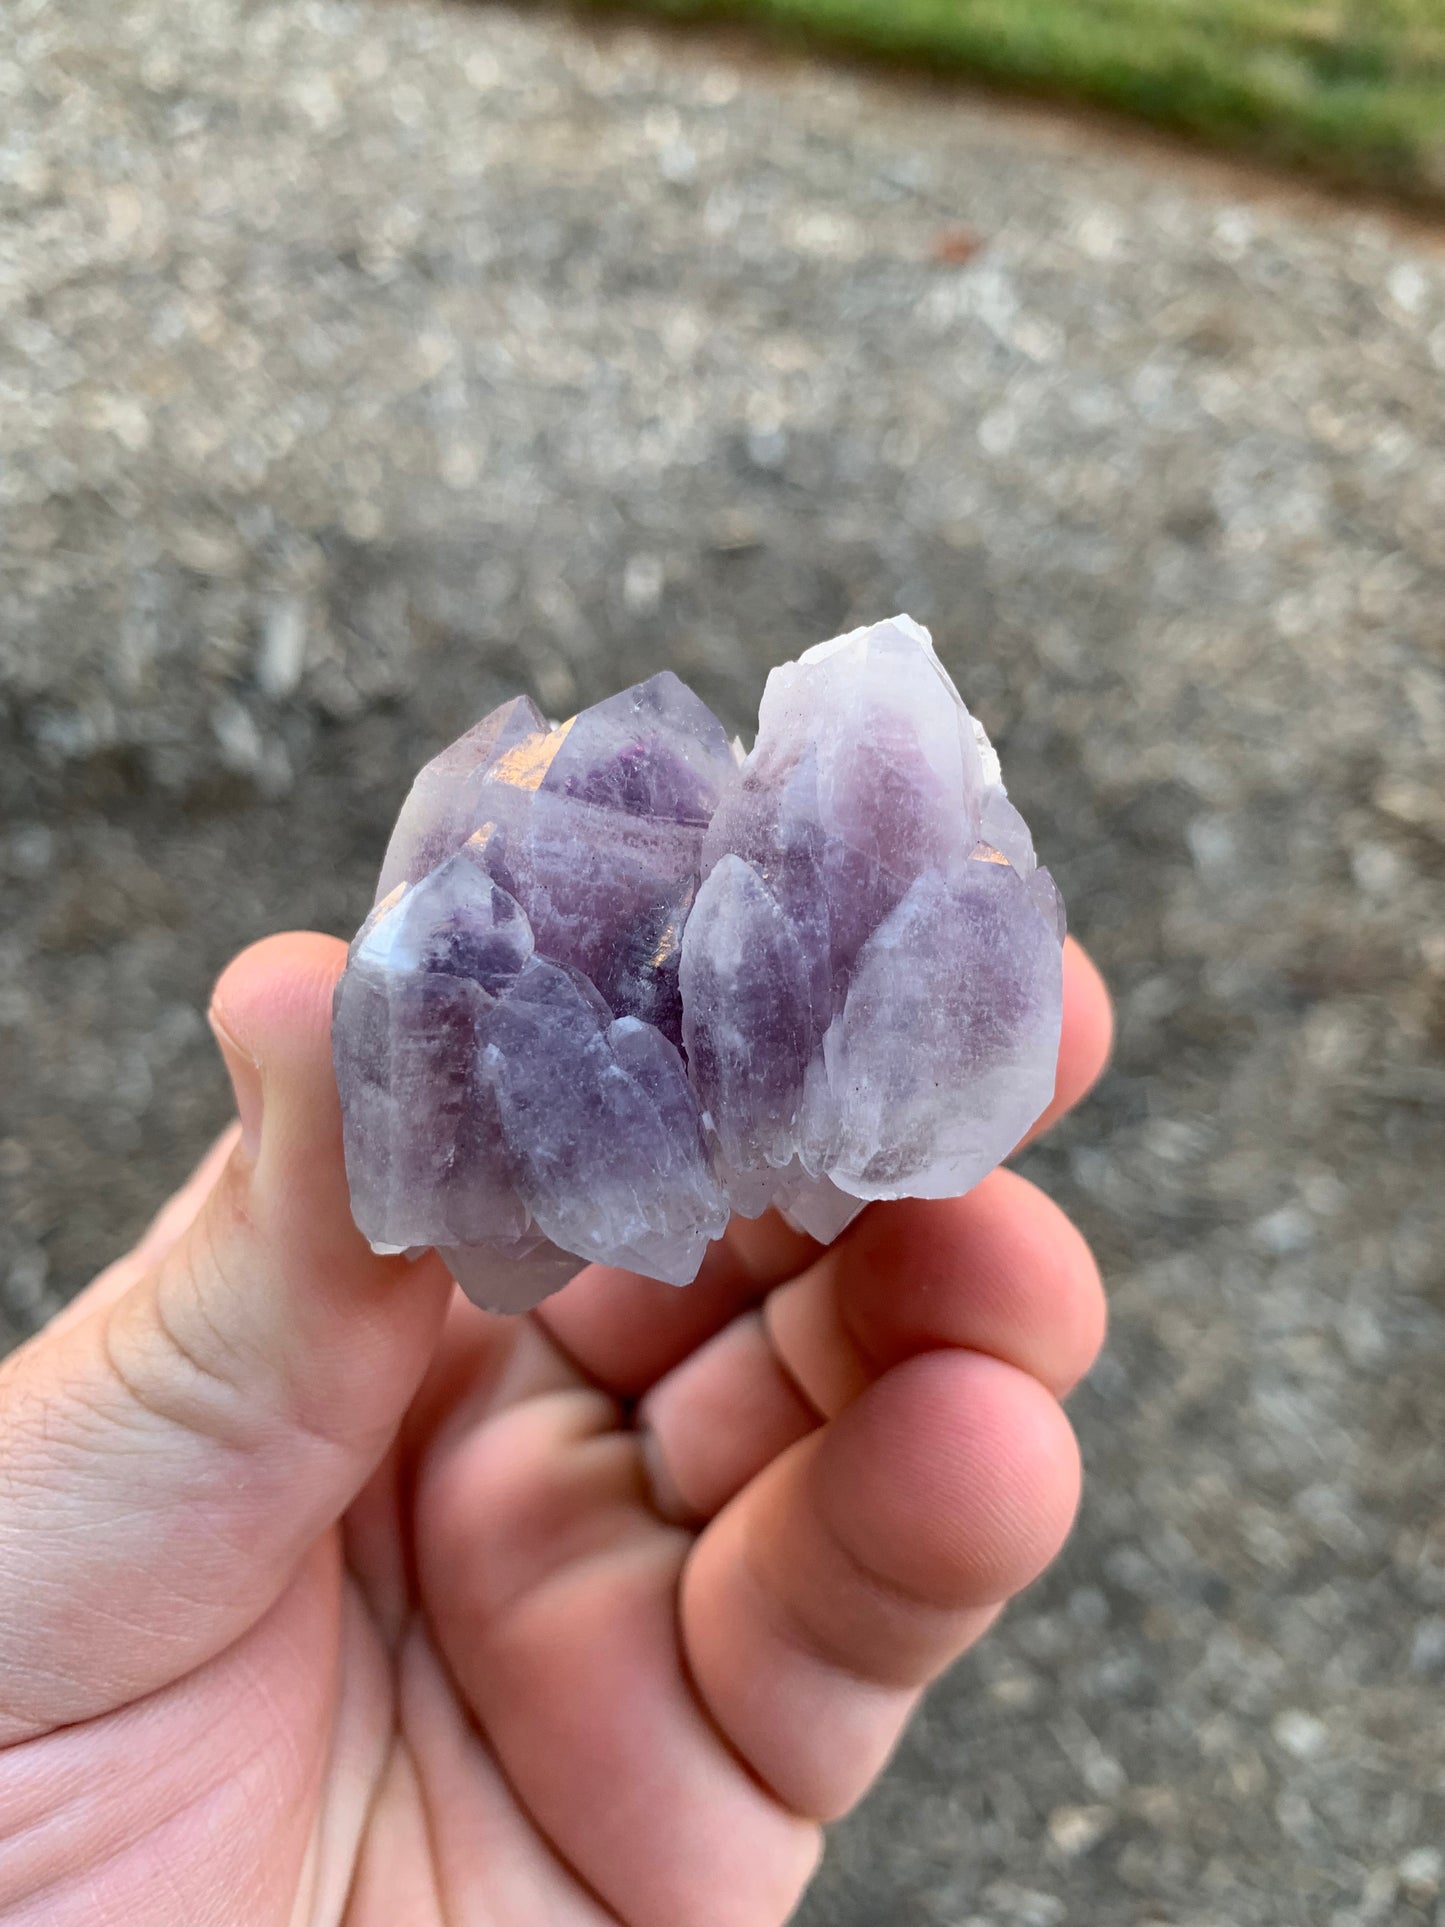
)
(361, 365)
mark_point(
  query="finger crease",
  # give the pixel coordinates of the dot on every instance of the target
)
(813, 1643)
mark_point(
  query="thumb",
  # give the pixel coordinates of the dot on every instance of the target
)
(177, 1440)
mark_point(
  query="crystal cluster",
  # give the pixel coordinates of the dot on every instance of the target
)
(619, 983)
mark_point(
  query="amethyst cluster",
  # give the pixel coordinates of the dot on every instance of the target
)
(621, 981)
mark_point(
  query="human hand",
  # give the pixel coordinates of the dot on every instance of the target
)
(327, 1598)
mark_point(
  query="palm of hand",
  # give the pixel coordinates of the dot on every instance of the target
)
(642, 1588)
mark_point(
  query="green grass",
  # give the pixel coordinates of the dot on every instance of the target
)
(1354, 88)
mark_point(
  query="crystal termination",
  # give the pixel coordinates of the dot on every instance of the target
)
(620, 982)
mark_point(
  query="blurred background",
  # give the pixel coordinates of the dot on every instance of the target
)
(362, 364)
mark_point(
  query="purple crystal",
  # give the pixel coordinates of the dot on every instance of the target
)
(507, 1026)
(616, 985)
(601, 1127)
(425, 1154)
(881, 1015)
(595, 827)
(881, 1125)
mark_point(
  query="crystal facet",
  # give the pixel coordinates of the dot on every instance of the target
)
(618, 982)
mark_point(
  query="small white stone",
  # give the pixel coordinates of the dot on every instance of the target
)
(1073, 1831)
(1408, 286)
(642, 583)
(1301, 1734)
(282, 654)
(1422, 1872)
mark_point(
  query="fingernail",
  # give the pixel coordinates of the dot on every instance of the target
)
(245, 1075)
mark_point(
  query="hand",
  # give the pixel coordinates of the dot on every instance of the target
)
(328, 1598)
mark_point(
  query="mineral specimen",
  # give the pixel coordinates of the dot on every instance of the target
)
(617, 984)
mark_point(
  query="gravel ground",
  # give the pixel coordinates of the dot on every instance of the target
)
(362, 364)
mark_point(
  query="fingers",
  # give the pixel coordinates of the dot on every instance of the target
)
(717, 1704)
(864, 1560)
(856, 1561)
(1085, 1040)
(172, 1451)
(625, 1331)
(719, 1418)
(557, 1620)
(446, 1839)
(1001, 1271)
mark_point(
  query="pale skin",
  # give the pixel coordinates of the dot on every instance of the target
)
(328, 1598)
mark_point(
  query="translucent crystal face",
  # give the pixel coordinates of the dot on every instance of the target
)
(616, 986)
(871, 993)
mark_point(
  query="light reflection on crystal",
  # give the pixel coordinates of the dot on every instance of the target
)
(620, 980)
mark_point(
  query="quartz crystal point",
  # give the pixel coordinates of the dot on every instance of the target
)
(507, 1028)
(618, 982)
(872, 971)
